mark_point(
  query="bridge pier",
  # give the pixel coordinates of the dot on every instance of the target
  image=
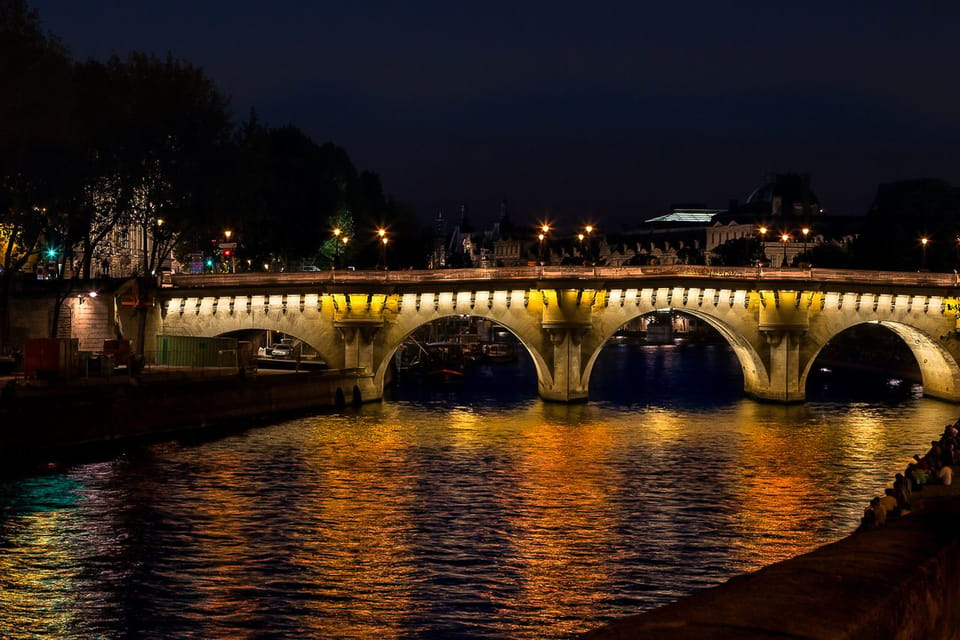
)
(783, 369)
(566, 384)
(358, 353)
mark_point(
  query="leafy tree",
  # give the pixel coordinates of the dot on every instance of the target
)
(830, 255)
(175, 140)
(36, 143)
(736, 252)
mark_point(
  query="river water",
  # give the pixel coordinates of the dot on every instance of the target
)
(481, 513)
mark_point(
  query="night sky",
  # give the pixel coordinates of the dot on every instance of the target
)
(605, 111)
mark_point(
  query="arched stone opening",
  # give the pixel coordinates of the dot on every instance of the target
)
(939, 371)
(393, 342)
(755, 375)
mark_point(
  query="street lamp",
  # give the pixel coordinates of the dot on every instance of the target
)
(784, 238)
(763, 243)
(582, 256)
(382, 234)
(589, 230)
(542, 236)
(806, 232)
(336, 246)
(228, 248)
(923, 253)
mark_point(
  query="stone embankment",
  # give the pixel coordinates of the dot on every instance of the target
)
(55, 421)
(901, 580)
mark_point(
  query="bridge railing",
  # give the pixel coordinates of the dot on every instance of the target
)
(566, 273)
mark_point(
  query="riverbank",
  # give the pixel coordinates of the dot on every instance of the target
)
(49, 422)
(895, 581)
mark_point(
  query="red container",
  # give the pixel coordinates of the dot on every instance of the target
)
(119, 349)
(50, 357)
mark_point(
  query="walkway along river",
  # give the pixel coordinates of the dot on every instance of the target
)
(476, 513)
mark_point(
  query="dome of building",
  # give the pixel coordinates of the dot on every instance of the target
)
(785, 194)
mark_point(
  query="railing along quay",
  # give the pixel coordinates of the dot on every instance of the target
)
(810, 275)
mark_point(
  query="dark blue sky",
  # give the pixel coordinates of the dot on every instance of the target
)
(609, 111)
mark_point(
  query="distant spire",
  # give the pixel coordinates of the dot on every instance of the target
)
(465, 226)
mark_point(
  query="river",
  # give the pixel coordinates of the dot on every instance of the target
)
(478, 513)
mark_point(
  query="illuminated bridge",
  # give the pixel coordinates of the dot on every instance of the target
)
(776, 321)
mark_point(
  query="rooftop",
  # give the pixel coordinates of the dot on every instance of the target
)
(699, 216)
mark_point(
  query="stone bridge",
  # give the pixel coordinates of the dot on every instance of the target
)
(776, 321)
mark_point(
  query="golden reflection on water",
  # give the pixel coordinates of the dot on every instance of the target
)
(37, 560)
(406, 521)
(26, 584)
(776, 495)
(356, 543)
(564, 514)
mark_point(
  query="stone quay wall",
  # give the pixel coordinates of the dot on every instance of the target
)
(899, 581)
(50, 423)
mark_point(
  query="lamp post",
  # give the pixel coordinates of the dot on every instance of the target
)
(382, 239)
(806, 232)
(336, 246)
(582, 256)
(785, 237)
(763, 242)
(923, 253)
(228, 250)
(544, 230)
(383, 249)
(589, 230)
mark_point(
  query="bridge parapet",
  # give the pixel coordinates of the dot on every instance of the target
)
(817, 279)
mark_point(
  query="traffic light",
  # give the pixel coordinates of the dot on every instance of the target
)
(51, 253)
(226, 253)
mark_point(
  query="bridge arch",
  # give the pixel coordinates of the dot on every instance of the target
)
(751, 364)
(939, 370)
(393, 340)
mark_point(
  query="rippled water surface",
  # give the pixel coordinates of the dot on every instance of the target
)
(483, 513)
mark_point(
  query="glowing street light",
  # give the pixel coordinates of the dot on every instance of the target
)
(227, 247)
(542, 237)
(923, 253)
(589, 229)
(763, 243)
(383, 246)
(337, 232)
(784, 238)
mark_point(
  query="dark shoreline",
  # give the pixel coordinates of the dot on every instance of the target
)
(45, 426)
